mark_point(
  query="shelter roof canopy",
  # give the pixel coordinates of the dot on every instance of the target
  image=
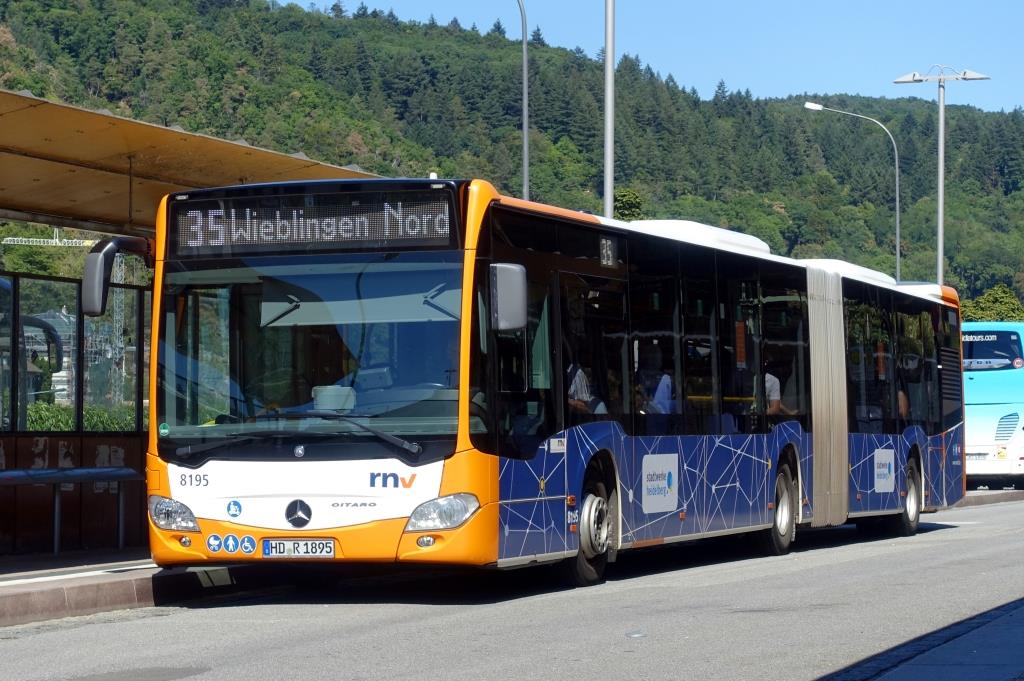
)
(64, 165)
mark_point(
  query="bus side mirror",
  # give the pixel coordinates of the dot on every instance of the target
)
(98, 265)
(508, 296)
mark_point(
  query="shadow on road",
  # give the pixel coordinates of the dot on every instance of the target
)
(333, 584)
(876, 665)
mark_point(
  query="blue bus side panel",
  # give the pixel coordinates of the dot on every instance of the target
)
(945, 466)
(878, 469)
(719, 483)
(530, 521)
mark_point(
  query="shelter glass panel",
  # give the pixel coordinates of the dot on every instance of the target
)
(47, 388)
(6, 352)
(111, 364)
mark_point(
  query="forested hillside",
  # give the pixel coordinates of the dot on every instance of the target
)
(353, 85)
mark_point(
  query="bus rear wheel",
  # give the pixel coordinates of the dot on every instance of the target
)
(595, 530)
(779, 537)
(905, 524)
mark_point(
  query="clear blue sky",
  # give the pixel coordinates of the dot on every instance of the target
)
(780, 47)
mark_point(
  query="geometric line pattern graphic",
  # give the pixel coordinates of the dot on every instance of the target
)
(671, 487)
(941, 460)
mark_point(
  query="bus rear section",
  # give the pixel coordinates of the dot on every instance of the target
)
(994, 403)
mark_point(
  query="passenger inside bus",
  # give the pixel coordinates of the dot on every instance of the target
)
(773, 396)
(581, 399)
(653, 383)
(774, 403)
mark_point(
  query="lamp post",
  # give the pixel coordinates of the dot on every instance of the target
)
(526, 110)
(609, 107)
(895, 152)
(944, 73)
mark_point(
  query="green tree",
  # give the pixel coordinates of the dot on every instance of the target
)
(999, 303)
(497, 29)
(627, 204)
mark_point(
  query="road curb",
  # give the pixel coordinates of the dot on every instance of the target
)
(996, 497)
(74, 597)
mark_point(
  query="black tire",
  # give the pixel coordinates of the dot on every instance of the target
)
(905, 524)
(595, 531)
(778, 539)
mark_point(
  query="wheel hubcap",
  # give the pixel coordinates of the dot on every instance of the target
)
(594, 523)
(782, 508)
(912, 499)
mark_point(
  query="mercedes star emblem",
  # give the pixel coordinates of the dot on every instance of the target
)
(298, 513)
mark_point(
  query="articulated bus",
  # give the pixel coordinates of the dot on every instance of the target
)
(426, 371)
(994, 402)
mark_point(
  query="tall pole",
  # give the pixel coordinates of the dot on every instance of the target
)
(896, 154)
(526, 110)
(609, 107)
(943, 73)
(939, 244)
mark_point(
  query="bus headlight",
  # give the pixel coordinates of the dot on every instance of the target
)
(443, 513)
(169, 514)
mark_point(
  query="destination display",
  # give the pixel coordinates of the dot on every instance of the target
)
(225, 227)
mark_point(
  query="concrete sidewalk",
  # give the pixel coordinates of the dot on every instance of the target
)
(986, 647)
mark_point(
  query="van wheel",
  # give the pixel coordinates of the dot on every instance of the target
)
(905, 524)
(595, 528)
(778, 539)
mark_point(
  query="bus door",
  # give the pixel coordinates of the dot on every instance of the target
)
(595, 376)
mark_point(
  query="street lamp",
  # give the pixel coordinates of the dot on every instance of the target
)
(609, 107)
(818, 107)
(526, 111)
(941, 77)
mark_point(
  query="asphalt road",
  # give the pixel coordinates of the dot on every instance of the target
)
(840, 603)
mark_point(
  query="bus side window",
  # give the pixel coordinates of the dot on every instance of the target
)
(594, 349)
(785, 344)
(699, 341)
(739, 362)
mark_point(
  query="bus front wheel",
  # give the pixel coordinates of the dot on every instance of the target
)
(595, 530)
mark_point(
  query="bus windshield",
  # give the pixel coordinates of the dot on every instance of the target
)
(992, 350)
(360, 345)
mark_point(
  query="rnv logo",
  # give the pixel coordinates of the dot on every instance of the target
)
(391, 480)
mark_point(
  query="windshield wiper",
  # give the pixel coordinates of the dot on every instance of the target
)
(429, 296)
(412, 447)
(295, 305)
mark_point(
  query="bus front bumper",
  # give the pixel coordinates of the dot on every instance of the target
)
(475, 542)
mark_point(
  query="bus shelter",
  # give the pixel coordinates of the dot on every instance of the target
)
(73, 390)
